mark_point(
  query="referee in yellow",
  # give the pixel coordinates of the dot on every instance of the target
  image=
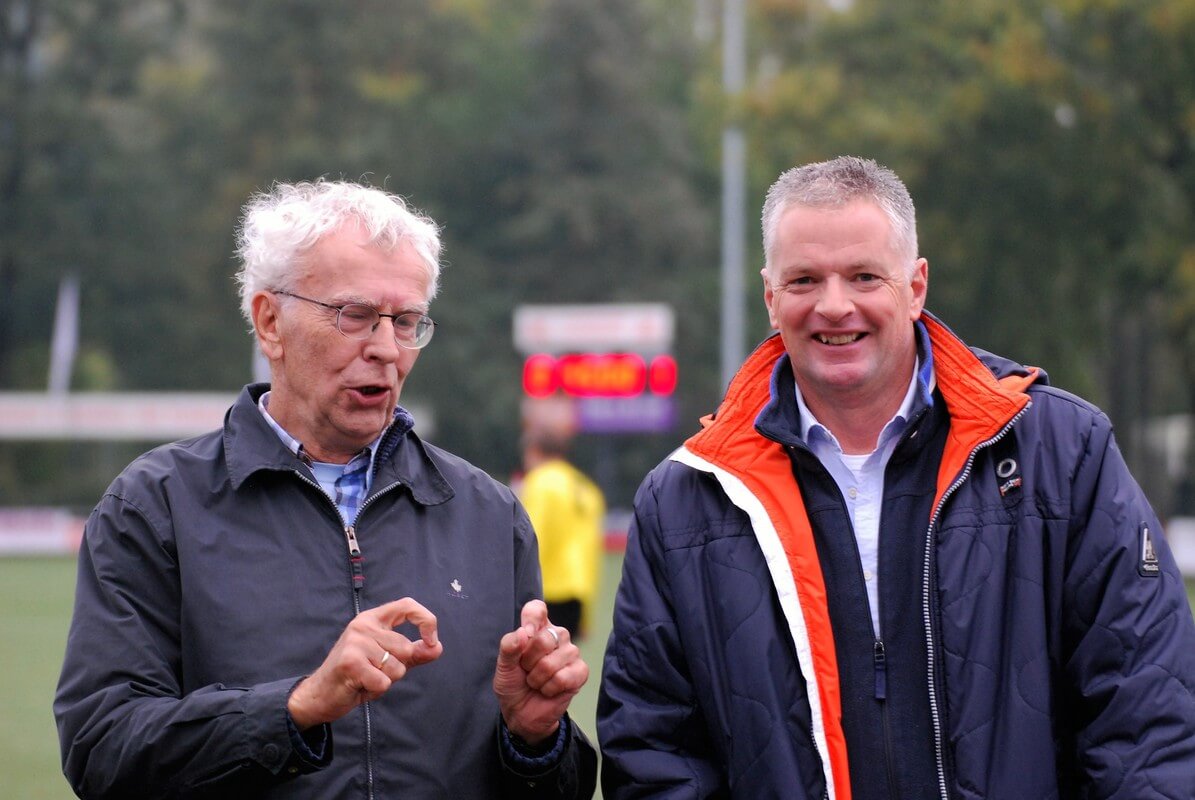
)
(567, 510)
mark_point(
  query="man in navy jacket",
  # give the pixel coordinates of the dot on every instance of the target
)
(891, 566)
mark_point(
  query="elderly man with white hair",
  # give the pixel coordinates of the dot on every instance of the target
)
(313, 602)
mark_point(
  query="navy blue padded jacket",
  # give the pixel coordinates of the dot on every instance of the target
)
(1060, 643)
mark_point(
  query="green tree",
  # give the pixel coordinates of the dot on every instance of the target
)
(74, 180)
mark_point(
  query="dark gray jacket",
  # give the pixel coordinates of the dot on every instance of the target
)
(215, 573)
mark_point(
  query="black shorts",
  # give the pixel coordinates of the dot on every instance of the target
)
(566, 614)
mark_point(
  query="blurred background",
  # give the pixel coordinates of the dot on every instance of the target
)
(610, 153)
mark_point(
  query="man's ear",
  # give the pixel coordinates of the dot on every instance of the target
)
(919, 284)
(769, 294)
(264, 306)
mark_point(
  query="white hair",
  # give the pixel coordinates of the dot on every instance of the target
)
(280, 226)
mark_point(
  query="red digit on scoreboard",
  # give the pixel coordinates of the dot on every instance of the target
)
(539, 375)
(598, 375)
(661, 377)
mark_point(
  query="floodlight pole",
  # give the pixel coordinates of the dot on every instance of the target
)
(734, 192)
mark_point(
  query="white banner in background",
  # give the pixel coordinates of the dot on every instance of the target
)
(39, 531)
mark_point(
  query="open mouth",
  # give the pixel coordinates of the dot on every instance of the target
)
(839, 339)
(370, 391)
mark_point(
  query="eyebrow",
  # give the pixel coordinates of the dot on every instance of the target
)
(343, 300)
(804, 267)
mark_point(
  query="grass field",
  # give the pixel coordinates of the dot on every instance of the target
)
(35, 605)
(35, 608)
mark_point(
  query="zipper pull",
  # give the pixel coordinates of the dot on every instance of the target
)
(880, 659)
(355, 558)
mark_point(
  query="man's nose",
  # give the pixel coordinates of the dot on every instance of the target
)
(381, 344)
(834, 299)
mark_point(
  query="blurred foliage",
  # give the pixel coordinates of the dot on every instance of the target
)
(570, 149)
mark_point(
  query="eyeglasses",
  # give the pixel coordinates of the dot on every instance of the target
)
(412, 329)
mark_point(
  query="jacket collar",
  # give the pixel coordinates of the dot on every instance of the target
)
(979, 403)
(780, 418)
(251, 446)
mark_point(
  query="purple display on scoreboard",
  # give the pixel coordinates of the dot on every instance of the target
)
(642, 414)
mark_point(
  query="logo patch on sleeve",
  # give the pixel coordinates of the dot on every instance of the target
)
(1147, 564)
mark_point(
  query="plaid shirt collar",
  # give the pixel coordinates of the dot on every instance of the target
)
(353, 485)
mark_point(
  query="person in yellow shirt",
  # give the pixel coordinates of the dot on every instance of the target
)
(567, 510)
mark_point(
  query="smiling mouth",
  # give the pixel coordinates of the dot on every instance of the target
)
(838, 339)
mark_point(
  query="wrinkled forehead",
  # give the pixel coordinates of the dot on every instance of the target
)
(355, 265)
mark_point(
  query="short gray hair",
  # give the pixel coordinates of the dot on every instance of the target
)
(833, 184)
(280, 226)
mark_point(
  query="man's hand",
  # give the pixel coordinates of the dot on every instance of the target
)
(358, 668)
(537, 676)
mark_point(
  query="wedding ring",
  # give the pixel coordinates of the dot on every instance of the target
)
(385, 658)
(555, 636)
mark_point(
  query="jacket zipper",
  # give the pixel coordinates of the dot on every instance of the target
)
(926, 616)
(880, 661)
(357, 563)
(357, 574)
(357, 571)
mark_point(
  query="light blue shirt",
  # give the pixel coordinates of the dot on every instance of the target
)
(346, 484)
(860, 478)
